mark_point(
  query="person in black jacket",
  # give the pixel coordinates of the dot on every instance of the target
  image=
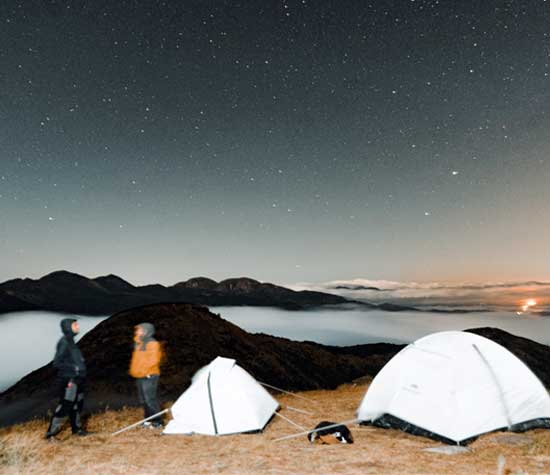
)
(71, 377)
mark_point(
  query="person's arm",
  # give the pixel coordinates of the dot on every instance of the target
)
(60, 352)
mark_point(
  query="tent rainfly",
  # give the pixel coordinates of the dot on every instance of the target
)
(222, 399)
(453, 386)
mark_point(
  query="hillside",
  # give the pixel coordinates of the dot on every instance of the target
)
(192, 337)
(375, 451)
(9, 303)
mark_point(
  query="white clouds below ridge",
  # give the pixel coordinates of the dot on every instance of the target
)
(483, 295)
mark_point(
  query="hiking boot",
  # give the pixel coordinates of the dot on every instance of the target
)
(82, 433)
(56, 425)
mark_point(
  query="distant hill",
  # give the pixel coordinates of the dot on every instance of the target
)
(9, 303)
(192, 336)
(64, 291)
(357, 287)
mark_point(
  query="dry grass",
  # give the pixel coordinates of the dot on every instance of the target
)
(376, 451)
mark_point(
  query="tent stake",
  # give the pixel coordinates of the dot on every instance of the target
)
(292, 436)
(139, 422)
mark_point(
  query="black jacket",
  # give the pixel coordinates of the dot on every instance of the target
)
(68, 359)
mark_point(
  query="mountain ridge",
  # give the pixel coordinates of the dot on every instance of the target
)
(67, 292)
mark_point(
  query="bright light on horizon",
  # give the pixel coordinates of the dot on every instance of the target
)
(528, 304)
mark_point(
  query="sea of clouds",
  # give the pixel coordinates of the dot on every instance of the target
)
(509, 296)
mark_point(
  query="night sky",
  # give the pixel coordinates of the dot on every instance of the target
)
(287, 141)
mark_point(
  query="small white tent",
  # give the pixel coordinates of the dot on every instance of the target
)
(222, 399)
(454, 386)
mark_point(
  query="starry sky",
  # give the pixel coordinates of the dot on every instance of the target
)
(289, 140)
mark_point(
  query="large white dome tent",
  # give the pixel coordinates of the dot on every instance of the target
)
(222, 399)
(454, 386)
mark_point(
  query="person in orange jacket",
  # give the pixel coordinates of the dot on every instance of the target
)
(145, 368)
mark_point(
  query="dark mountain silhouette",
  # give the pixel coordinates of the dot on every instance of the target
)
(114, 283)
(9, 303)
(198, 283)
(64, 291)
(391, 307)
(357, 287)
(192, 337)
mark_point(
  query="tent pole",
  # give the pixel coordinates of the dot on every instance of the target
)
(287, 392)
(292, 436)
(497, 384)
(289, 421)
(140, 422)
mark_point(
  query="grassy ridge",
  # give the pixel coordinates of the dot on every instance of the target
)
(376, 451)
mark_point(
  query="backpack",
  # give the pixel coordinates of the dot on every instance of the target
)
(337, 434)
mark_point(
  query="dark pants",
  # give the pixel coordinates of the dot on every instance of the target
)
(147, 393)
(71, 402)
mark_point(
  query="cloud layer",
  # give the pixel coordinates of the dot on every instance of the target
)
(467, 295)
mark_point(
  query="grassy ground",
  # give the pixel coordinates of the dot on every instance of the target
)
(376, 451)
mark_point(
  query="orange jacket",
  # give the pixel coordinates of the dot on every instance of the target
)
(145, 363)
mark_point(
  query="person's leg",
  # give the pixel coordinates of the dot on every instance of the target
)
(141, 396)
(76, 410)
(62, 410)
(150, 396)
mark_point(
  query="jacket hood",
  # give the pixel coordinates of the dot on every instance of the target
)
(148, 330)
(66, 327)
